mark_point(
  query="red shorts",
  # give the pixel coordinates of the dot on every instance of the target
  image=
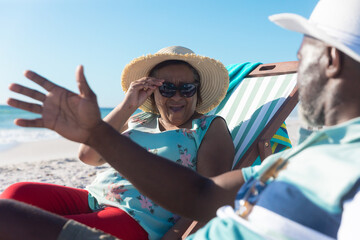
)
(72, 203)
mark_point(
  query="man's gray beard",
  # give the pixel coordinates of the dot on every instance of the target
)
(308, 118)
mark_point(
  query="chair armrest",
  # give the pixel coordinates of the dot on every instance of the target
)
(182, 229)
(178, 229)
(264, 147)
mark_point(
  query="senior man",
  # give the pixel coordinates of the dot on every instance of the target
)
(302, 193)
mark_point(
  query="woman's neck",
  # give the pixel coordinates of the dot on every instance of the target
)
(166, 125)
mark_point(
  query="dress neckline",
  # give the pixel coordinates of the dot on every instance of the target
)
(192, 124)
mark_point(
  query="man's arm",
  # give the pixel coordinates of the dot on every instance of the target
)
(174, 187)
(77, 117)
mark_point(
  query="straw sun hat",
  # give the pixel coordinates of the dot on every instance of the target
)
(335, 22)
(214, 78)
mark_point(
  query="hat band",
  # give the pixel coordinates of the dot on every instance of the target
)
(351, 40)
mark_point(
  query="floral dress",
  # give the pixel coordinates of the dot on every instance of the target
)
(180, 146)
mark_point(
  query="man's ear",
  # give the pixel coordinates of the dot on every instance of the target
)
(335, 62)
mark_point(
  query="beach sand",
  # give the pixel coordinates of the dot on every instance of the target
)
(55, 161)
(51, 161)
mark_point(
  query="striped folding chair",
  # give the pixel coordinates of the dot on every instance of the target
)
(255, 109)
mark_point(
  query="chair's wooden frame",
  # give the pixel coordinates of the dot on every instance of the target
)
(261, 146)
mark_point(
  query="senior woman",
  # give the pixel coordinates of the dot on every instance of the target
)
(174, 88)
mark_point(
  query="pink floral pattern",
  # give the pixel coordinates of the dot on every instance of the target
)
(138, 120)
(185, 159)
(202, 122)
(186, 131)
(115, 191)
(145, 202)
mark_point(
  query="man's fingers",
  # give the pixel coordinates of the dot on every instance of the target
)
(27, 92)
(30, 107)
(83, 86)
(43, 82)
(38, 122)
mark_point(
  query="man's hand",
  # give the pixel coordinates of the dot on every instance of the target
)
(71, 115)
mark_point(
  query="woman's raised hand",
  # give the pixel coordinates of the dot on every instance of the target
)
(140, 90)
(71, 115)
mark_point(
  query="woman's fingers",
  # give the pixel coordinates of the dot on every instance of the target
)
(43, 82)
(30, 107)
(147, 82)
(34, 94)
(153, 81)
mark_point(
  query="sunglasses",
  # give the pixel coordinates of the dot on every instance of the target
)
(187, 90)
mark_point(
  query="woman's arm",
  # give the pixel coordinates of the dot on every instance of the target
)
(118, 118)
(216, 153)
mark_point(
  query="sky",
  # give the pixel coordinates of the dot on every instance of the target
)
(52, 37)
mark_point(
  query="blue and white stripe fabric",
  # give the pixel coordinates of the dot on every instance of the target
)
(249, 105)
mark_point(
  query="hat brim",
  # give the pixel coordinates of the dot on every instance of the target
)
(214, 77)
(300, 24)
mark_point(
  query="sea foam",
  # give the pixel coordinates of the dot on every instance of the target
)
(11, 137)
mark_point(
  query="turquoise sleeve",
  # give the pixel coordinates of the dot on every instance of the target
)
(224, 228)
(254, 171)
(248, 172)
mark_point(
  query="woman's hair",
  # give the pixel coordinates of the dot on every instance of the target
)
(163, 64)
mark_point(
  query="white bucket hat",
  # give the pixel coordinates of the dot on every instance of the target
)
(335, 22)
(214, 78)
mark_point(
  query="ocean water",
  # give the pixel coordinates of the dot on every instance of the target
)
(11, 135)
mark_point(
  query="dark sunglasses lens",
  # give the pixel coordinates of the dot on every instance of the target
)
(188, 90)
(167, 90)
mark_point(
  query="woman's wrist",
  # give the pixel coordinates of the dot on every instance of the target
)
(128, 105)
(120, 115)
